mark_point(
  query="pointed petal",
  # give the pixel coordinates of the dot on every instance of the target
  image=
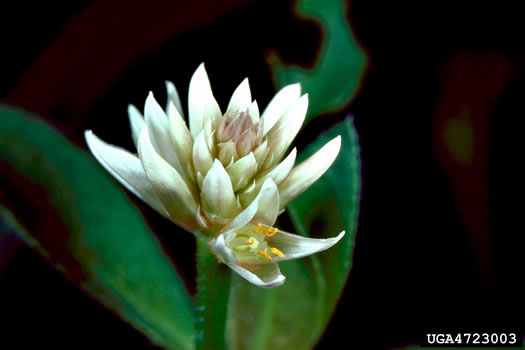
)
(260, 154)
(286, 128)
(136, 121)
(242, 171)
(263, 209)
(174, 193)
(201, 219)
(208, 136)
(201, 103)
(285, 98)
(180, 136)
(173, 97)
(305, 174)
(295, 246)
(227, 152)
(253, 112)
(217, 194)
(202, 158)
(281, 171)
(241, 98)
(126, 168)
(225, 254)
(159, 133)
(262, 275)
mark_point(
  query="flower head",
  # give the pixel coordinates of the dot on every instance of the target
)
(224, 177)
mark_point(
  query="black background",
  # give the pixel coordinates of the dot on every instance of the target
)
(416, 268)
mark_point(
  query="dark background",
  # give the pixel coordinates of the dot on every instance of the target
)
(439, 244)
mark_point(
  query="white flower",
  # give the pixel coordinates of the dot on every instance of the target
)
(223, 178)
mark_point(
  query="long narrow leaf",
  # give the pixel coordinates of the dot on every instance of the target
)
(84, 224)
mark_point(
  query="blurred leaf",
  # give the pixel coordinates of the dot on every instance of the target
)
(86, 226)
(213, 287)
(295, 315)
(337, 73)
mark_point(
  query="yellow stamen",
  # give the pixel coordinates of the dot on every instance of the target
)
(277, 252)
(250, 241)
(258, 229)
(270, 232)
(265, 255)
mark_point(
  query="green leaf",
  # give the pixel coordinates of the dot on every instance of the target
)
(340, 66)
(213, 289)
(82, 222)
(295, 315)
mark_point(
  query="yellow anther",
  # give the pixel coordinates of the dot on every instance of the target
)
(250, 241)
(277, 252)
(258, 229)
(265, 255)
(270, 232)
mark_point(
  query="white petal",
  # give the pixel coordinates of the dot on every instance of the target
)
(217, 194)
(263, 209)
(262, 275)
(159, 133)
(285, 98)
(201, 102)
(286, 128)
(225, 254)
(174, 193)
(180, 136)
(201, 219)
(260, 153)
(126, 168)
(295, 246)
(305, 174)
(281, 171)
(242, 171)
(253, 112)
(173, 97)
(241, 98)
(136, 121)
(202, 158)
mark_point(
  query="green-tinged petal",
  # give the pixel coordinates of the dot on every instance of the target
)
(126, 168)
(201, 102)
(208, 136)
(173, 97)
(136, 121)
(217, 194)
(279, 173)
(262, 275)
(263, 209)
(306, 173)
(159, 133)
(202, 158)
(283, 100)
(180, 137)
(295, 246)
(260, 153)
(227, 152)
(284, 131)
(242, 171)
(241, 98)
(173, 191)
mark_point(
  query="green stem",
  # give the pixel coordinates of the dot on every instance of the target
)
(213, 289)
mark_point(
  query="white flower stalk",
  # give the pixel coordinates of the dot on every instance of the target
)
(225, 177)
